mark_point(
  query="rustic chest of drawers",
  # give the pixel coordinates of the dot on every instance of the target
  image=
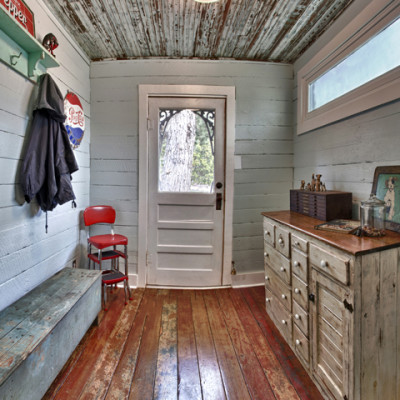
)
(335, 299)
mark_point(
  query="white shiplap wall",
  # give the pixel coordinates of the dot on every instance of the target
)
(27, 254)
(347, 152)
(263, 143)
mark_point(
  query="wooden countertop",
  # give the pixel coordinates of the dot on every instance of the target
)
(344, 241)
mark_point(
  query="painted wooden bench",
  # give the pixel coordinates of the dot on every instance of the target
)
(39, 332)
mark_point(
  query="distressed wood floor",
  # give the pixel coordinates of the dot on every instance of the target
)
(188, 345)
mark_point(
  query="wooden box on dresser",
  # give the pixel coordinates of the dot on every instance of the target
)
(335, 299)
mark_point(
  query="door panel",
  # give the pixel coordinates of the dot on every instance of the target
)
(330, 332)
(186, 161)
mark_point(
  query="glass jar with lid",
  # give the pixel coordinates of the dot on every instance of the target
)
(372, 215)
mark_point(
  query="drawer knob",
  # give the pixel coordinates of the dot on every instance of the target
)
(267, 299)
(297, 316)
(280, 241)
(267, 233)
(283, 269)
(296, 264)
(283, 296)
(283, 322)
(297, 291)
(267, 278)
(266, 254)
(297, 244)
(298, 343)
(324, 263)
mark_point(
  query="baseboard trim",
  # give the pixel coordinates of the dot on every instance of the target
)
(248, 279)
(240, 280)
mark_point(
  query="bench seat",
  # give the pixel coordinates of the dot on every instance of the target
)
(39, 332)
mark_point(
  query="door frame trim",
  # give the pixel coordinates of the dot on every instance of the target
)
(224, 92)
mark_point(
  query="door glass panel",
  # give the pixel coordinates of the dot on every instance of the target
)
(186, 150)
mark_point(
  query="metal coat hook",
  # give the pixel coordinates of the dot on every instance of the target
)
(15, 57)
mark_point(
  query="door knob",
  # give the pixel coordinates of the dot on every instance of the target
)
(218, 185)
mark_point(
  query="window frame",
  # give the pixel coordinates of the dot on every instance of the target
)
(376, 92)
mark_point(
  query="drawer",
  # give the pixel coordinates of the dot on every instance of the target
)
(301, 344)
(300, 318)
(269, 232)
(282, 241)
(335, 265)
(300, 265)
(279, 315)
(279, 263)
(300, 292)
(299, 244)
(274, 284)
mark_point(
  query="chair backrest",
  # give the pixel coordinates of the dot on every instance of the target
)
(99, 215)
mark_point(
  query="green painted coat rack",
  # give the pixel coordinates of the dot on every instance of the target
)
(21, 51)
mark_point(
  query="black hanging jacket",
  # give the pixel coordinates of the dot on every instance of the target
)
(49, 159)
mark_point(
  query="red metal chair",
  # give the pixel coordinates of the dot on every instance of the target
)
(106, 215)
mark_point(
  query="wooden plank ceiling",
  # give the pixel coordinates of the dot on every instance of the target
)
(261, 30)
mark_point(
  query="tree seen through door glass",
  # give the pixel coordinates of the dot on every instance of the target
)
(186, 150)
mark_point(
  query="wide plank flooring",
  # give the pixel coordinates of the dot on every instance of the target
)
(187, 345)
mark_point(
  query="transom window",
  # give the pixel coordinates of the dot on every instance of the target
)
(357, 70)
(374, 58)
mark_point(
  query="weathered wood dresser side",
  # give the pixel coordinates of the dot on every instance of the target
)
(335, 298)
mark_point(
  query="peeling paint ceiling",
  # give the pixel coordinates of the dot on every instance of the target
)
(258, 30)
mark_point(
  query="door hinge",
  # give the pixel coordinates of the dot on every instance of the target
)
(149, 124)
(348, 306)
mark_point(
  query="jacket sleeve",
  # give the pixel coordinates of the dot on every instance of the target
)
(33, 171)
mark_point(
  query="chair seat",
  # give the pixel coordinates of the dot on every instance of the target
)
(106, 255)
(103, 241)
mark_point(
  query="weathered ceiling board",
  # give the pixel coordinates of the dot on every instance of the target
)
(263, 30)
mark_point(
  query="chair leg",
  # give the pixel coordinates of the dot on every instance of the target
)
(89, 249)
(104, 295)
(126, 291)
(99, 257)
(126, 271)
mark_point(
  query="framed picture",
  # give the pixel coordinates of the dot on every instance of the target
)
(386, 187)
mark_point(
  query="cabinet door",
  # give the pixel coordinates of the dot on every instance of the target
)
(331, 331)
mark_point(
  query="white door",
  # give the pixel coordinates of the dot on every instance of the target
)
(186, 191)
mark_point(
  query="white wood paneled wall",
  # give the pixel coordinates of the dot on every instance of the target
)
(28, 255)
(347, 152)
(263, 140)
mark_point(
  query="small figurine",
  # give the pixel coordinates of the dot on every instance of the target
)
(50, 43)
(312, 182)
(303, 183)
(318, 183)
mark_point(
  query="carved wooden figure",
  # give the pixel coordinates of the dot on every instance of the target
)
(318, 183)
